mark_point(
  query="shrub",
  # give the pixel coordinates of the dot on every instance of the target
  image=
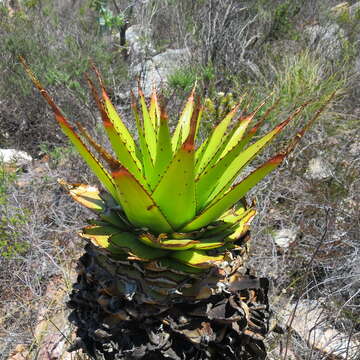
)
(58, 43)
(11, 220)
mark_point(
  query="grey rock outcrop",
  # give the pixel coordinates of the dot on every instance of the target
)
(139, 43)
(311, 322)
(326, 40)
(354, 10)
(151, 69)
(156, 70)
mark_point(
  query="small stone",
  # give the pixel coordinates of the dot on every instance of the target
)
(355, 148)
(318, 169)
(16, 157)
(284, 238)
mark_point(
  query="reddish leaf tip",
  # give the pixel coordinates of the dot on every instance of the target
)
(277, 159)
(119, 172)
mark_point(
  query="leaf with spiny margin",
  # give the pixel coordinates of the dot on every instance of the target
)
(89, 196)
(211, 243)
(175, 192)
(239, 131)
(221, 175)
(225, 224)
(125, 154)
(217, 179)
(183, 126)
(235, 212)
(86, 195)
(234, 136)
(200, 150)
(120, 128)
(147, 162)
(196, 258)
(215, 140)
(68, 130)
(154, 109)
(242, 225)
(164, 150)
(178, 182)
(149, 130)
(220, 204)
(129, 243)
(167, 244)
(99, 236)
(137, 203)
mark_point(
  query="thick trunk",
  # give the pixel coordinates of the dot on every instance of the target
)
(122, 313)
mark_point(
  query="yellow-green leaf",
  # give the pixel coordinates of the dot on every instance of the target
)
(196, 258)
(138, 205)
(177, 184)
(149, 130)
(126, 154)
(167, 244)
(154, 109)
(215, 140)
(218, 178)
(183, 126)
(220, 204)
(120, 128)
(129, 243)
(164, 150)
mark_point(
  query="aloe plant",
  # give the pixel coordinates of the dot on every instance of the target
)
(163, 275)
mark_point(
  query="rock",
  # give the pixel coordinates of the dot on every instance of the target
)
(311, 323)
(354, 11)
(139, 42)
(326, 40)
(318, 169)
(15, 157)
(355, 148)
(156, 70)
(284, 238)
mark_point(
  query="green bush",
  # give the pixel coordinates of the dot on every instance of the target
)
(11, 220)
(283, 24)
(294, 80)
(58, 43)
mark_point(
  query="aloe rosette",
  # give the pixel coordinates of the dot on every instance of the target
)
(172, 219)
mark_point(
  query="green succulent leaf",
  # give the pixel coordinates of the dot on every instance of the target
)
(147, 161)
(68, 130)
(138, 205)
(220, 204)
(167, 244)
(183, 126)
(149, 130)
(215, 140)
(164, 152)
(119, 128)
(130, 244)
(154, 110)
(196, 258)
(178, 180)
